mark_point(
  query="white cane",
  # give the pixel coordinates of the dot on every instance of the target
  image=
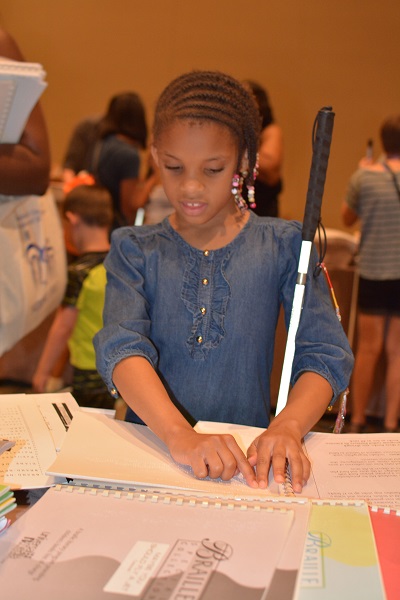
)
(322, 136)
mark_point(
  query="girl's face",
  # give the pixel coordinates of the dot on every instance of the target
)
(197, 161)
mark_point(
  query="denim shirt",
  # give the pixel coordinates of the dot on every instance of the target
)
(206, 320)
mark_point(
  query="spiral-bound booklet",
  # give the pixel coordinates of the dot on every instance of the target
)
(386, 527)
(112, 452)
(340, 558)
(98, 449)
(21, 85)
(92, 544)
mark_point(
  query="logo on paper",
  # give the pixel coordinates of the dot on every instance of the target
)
(40, 260)
(313, 571)
(158, 571)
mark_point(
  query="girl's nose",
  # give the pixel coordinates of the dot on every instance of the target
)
(192, 187)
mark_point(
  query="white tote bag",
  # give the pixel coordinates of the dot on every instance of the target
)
(33, 269)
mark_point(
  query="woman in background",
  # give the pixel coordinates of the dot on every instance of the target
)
(116, 156)
(268, 184)
(373, 197)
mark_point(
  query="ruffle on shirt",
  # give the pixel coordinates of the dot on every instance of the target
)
(207, 330)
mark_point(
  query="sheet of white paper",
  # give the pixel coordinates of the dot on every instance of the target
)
(57, 410)
(243, 434)
(33, 423)
(355, 466)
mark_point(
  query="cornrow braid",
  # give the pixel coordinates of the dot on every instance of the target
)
(212, 96)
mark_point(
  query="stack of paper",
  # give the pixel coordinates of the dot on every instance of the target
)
(21, 85)
(134, 522)
(38, 424)
(326, 549)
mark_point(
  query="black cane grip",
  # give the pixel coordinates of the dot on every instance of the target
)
(323, 128)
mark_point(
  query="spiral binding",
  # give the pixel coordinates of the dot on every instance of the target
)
(161, 496)
(286, 488)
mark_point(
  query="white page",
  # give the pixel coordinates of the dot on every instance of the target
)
(57, 410)
(74, 544)
(33, 423)
(243, 434)
(355, 466)
(99, 449)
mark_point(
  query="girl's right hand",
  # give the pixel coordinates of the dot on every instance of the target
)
(212, 455)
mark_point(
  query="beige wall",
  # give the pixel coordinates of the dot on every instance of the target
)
(307, 53)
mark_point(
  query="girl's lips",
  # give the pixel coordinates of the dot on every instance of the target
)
(193, 207)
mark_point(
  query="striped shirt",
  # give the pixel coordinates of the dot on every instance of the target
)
(373, 197)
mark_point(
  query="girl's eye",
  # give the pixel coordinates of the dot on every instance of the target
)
(214, 171)
(172, 167)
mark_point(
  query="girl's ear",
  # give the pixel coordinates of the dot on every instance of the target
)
(244, 165)
(154, 154)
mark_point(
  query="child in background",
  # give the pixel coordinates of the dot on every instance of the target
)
(192, 303)
(88, 216)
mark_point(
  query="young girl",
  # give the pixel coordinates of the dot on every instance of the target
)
(192, 303)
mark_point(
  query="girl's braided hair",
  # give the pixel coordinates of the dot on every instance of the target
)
(217, 97)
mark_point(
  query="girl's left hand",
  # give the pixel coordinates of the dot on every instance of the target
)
(279, 444)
